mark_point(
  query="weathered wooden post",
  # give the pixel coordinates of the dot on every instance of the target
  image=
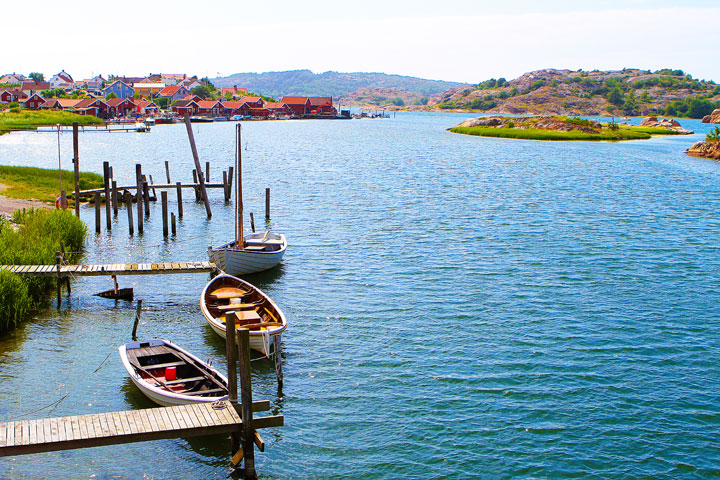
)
(163, 195)
(195, 181)
(63, 199)
(225, 186)
(203, 191)
(153, 188)
(114, 195)
(146, 198)
(179, 195)
(167, 171)
(106, 182)
(229, 184)
(248, 435)
(231, 354)
(137, 320)
(278, 363)
(128, 206)
(97, 212)
(207, 172)
(76, 167)
(173, 227)
(252, 222)
(267, 204)
(138, 197)
(59, 281)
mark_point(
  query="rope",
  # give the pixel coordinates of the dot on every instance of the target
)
(54, 404)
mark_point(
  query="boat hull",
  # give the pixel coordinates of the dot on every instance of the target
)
(245, 261)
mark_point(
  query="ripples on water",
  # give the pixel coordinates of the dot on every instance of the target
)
(460, 307)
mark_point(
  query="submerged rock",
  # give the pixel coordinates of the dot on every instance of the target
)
(664, 123)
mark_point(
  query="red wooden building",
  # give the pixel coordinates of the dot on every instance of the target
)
(33, 102)
(298, 105)
(120, 106)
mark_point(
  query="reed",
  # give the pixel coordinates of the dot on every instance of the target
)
(35, 242)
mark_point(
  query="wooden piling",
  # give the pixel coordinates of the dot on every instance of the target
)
(225, 188)
(146, 198)
(76, 167)
(167, 171)
(207, 172)
(138, 197)
(252, 222)
(97, 212)
(137, 320)
(248, 433)
(197, 191)
(196, 158)
(173, 227)
(153, 188)
(128, 206)
(278, 363)
(231, 355)
(267, 204)
(59, 279)
(106, 182)
(230, 182)
(113, 195)
(63, 199)
(179, 200)
(163, 194)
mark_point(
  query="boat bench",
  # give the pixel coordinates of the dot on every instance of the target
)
(183, 380)
(203, 392)
(236, 306)
(163, 365)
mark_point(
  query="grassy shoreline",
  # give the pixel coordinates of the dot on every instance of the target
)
(32, 183)
(19, 120)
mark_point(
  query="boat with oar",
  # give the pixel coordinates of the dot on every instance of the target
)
(250, 253)
(170, 375)
(254, 310)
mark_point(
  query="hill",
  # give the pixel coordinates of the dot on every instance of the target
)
(566, 92)
(377, 88)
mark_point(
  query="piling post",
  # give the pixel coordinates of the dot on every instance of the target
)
(278, 363)
(76, 167)
(163, 194)
(138, 179)
(97, 212)
(59, 281)
(267, 204)
(167, 171)
(153, 188)
(225, 186)
(128, 206)
(63, 199)
(179, 195)
(207, 171)
(146, 198)
(252, 222)
(231, 354)
(113, 195)
(203, 191)
(106, 182)
(230, 181)
(173, 227)
(137, 320)
(195, 181)
(248, 434)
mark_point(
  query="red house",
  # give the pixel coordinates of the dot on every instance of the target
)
(181, 107)
(322, 106)
(253, 102)
(92, 106)
(34, 102)
(298, 105)
(120, 106)
(231, 108)
(278, 108)
(14, 95)
(209, 107)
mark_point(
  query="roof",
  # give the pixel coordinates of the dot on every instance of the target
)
(275, 105)
(149, 85)
(114, 102)
(295, 100)
(232, 105)
(33, 96)
(171, 90)
(35, 85)
(250, 99)
(116, 81)
(183, 103)
(208, 103)
(234, 89)
(50, 103)
(68, 102)
(89, 102)
(317, 101)
(145, 104)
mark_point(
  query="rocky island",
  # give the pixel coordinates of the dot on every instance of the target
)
(559, 127)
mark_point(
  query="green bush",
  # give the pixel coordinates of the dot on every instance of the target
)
(714, 135)
(14, 105)
(15, 300)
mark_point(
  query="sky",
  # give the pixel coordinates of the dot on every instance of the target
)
(462, 40)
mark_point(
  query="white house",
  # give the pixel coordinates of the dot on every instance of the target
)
(62, 80)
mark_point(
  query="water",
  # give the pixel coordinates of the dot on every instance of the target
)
(460, 307)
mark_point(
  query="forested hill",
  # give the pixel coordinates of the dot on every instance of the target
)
(569, 92)
(307, 83)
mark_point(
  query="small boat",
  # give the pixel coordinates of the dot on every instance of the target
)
(254, 309)
(169, 375)
(141, 127)
(250, 253)
(201, 119)
(150, 121)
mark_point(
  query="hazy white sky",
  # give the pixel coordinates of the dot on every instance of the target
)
(463, 40)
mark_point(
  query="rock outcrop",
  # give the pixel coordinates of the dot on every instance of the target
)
(705, 149)
(714, 117)
(664, 123)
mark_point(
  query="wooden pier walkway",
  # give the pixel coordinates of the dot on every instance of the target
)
(162, 186)
(111, 269)
(94, 430)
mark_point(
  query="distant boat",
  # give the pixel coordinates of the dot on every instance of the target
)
(141, 127)
(250, 253)
(201, 119)
(254, 309)
(169, 375)
(149, 121)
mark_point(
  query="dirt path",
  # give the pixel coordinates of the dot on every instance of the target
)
(9, 205)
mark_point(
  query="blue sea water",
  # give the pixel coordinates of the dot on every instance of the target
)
(459, 307)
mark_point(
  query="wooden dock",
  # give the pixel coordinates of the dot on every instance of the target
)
(111, 269)
(94, 430)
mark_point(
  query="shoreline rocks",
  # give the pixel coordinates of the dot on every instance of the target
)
(705, 149)
(664, 123)
(714, 117)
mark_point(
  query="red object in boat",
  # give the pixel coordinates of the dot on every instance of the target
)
(170, 373)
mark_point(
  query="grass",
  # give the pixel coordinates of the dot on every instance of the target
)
(29, 119)
(622, 133)
(35, 242)
(43, 184)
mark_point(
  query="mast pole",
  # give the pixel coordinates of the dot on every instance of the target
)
(239, 240)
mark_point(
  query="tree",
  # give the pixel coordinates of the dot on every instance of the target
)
(37, 77)
(162, 102)
(110, 96)
(615, 96)
(397, 101)
(206, 81)
(201, 91)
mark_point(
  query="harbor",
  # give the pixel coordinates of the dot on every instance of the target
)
(505, 348)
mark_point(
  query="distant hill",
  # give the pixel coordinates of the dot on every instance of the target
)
(619, 92)
(344, 86)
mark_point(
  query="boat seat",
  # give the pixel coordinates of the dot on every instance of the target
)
(163, 365)
(202, 392)
(225, 293)
(183, 380)
(236, 306)
(255, 248)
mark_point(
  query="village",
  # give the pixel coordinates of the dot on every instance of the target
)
(160, 97)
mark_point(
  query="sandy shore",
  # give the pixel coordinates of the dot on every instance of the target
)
(9, 205)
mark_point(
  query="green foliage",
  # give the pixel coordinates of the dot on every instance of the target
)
(422, 101)
(37, 77)
(579, 121)
(201, 91)
(206, 82)
(668, 71)
(510, 124)
(615, 96)
(501, 82)
(53, 93)
(34, 243)
(503, 95)
(714, 135)
(110, 96)
(482, 104)
(41, 183)
(162, 102)
(28, 119)
(630, 105)
(14, 105)
(537, 84)
(397, 101)
(693, 107)
(514, 92)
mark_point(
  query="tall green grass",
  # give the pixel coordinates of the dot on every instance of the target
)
(43, 184)
(35, 242)
(29, 119)
(541, 134)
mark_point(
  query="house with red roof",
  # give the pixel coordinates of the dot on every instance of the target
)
(298, 105)
(68, 103)
(174, 92)
(209, 107)
(120, 106)
(62, 80)
(34, 87)
(322, 106)
(12, 78)
(234, 91)
(278, 108)
(92, 106)
(181, 107)
(253, 102)
(12, 95)
(51, 104)
(33, 102)
(146, 107)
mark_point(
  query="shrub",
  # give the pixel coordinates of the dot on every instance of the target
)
(714, 135)
(15, 300)
(13, 105)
